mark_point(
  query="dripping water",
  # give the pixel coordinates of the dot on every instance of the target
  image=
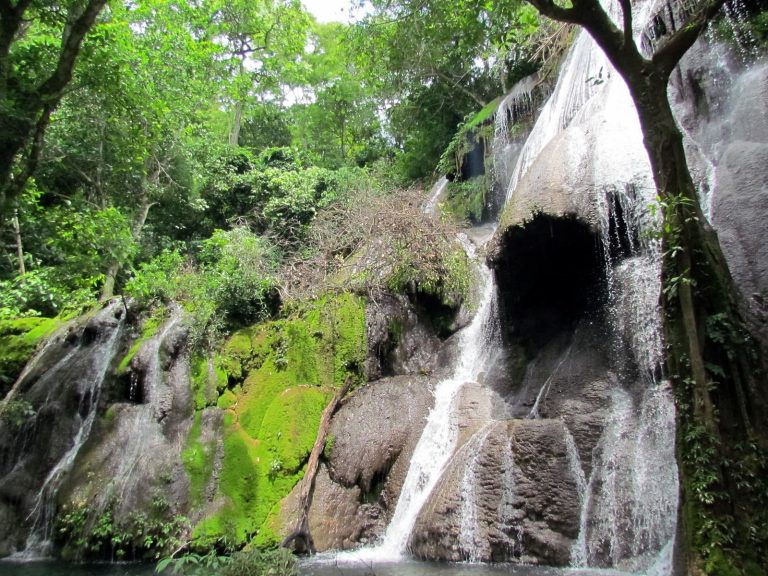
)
(39, 544)
(478, 352)
(469, 523)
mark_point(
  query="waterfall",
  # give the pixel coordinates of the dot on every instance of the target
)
(477, 353)
(625, 490)
(468, 528)
(99, 356)
(583, 69)
(439, 187)
(141, 424)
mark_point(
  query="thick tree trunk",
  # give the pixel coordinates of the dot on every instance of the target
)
(300, 538)
(711, 360)
(26, 112)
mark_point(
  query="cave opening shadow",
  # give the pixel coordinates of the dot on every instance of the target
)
(550, 273)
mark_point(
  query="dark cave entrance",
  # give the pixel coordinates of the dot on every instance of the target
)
(550, 274)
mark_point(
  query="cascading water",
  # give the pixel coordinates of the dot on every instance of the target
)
(606, 425)
(439, 187)
(478, 352)
(99, 356)
(468, 528)
(141, 424)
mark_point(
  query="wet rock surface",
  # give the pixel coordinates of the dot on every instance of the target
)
(63, 386)
(399, 340)
(373, 437)
(137, 459)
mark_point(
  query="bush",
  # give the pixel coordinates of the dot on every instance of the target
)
(254, 562)
(233, 284)
(43, 292)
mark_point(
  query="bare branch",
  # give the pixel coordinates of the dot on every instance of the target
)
(626, 10)
(443, 76)
(33, 158)
(549, 9)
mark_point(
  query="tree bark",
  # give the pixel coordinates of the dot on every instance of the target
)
(19, 245)
(237, 121)
(300, 538)
(26, 112)
(108, 288)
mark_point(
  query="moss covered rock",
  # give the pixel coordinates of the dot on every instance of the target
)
(19, 338)
(281, 375)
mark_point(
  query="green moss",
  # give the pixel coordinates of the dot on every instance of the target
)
(227, 399)
(465, 200)
(19, 337)
(205, 381)
(484, 114)
(148, 329)
(330, 442)
(198, 458)
(289, 368)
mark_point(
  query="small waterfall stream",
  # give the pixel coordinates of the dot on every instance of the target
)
(438, 440)
(98, 356)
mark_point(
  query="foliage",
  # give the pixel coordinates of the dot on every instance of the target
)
(193, 564)
(232, 285)
(465, 200)
(254, 562)
(16, 413)
(379, 242)
(140, 536)
(247, 562)
(19, 337)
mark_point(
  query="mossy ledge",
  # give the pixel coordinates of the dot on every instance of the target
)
(19, 338)
(272, 380)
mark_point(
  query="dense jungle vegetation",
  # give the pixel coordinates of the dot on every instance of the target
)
(198, 144)
(232, 155)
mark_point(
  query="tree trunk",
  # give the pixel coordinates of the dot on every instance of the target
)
(234, 133)
(711, 360)
(108, 289)
(300, 538)
(26, 112)
(19, 246)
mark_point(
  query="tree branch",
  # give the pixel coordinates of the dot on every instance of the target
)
(33, 158)
(626, 10)
(52, 89)
(618, 45)
(549, 9)
(670, 51)
(443, 76)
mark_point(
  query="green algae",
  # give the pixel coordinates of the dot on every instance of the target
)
(198, 458)
(19, 338)
(280, 377)
(208, 379)
(148, 329)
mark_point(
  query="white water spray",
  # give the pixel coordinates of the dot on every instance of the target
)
(478, 349)
(39, 544)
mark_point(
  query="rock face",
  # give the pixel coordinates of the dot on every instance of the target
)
(399, 341)
(137, 456)
(508, 494)
(374, 435)
(63, 386)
